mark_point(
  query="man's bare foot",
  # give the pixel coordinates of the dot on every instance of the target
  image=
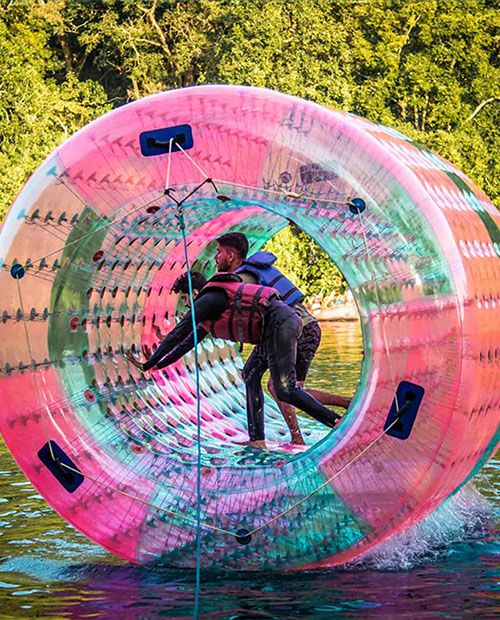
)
(259, 443)
(298, 441)
(294, 447)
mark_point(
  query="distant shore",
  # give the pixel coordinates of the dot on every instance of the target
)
(336, 312)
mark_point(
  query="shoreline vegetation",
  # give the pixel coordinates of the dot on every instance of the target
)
(426, 68)
(339, 310)
(340, 313)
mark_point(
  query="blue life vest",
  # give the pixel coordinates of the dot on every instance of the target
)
(260, 265)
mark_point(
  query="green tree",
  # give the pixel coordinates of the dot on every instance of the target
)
(426, 67)
(37, 112)
(305, 263)
(431, 69)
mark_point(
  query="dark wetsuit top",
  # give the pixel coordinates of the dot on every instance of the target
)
(180, 340)
(281, 332)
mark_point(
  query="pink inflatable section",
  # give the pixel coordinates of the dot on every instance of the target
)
(90, 250)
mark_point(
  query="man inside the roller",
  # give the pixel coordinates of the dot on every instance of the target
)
(231, 256)
(181, 287)
(229, 308)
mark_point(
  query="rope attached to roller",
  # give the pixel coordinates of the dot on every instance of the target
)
(358, 208)
(182, 226)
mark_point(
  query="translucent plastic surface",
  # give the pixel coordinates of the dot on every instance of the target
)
(100, 244)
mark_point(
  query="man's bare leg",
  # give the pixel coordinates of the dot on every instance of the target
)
(327, 398)
(288, 413)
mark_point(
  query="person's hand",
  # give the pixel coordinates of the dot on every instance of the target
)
(133, 360)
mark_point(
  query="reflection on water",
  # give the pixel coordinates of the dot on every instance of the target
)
(337, 364)
(455, 587)
(49, 570)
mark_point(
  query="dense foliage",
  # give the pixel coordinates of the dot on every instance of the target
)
(428, 67)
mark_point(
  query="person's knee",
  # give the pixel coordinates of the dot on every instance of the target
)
(252, 372)
(270, 387)
(284, 392)
(245, 374)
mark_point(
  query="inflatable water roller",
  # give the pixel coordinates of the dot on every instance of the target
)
(89, 252)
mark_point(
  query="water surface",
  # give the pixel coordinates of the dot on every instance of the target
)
(445, 568)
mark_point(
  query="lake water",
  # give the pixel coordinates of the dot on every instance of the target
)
(447, 567)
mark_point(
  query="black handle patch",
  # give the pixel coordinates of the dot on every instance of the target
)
(404, 409)
(70, 479)
(157, 141)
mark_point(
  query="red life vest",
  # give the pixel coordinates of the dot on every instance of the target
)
(241, 321)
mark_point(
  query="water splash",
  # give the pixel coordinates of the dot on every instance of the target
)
(466, 516)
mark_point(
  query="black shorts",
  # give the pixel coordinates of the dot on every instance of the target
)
(307, 345)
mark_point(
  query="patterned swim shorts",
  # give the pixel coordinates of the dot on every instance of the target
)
(307, 345)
